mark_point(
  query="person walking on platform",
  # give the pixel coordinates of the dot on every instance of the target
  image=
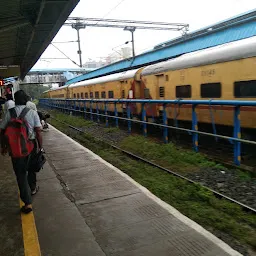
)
(21, 136)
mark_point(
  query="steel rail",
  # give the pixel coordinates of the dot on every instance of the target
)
(166, 126)
(216, 193)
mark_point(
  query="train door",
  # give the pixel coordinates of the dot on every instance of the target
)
(68, 93)
(122, 90)
(160, 88)
(159, 93)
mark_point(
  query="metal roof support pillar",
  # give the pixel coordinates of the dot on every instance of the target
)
(165, 122)
(116, 115)
(106, 113)
(194, 128)
(237, 135)
(144, 119)
(129, 118)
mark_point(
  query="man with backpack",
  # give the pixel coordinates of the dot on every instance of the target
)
(21, 137)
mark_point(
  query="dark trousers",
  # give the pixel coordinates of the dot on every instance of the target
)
(26, 180)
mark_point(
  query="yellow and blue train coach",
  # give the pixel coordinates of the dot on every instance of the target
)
(225, 72)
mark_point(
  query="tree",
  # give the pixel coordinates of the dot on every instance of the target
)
(35, 90)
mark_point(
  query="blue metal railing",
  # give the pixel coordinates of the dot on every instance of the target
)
(74, 105)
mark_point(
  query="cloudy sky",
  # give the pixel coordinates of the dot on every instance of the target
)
(99, 42)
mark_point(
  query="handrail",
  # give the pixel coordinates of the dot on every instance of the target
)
(76, 106)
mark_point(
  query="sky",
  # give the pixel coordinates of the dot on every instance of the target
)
(99, 42)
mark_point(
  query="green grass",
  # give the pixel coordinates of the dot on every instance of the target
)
(36, 101)
(168, 155)
(76, 121)
(197, 203)
(111, 129)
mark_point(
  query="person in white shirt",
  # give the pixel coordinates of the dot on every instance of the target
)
(31, 105)
(9, 103)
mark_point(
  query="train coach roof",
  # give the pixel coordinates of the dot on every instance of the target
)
(114, 77)
(59, 88)
(227, 52)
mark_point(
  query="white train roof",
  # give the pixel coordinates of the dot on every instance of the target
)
(104, 79)
(58, 88)
(227, 52)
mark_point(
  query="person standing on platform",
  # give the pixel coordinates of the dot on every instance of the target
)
(2, 102)
(31, 104)
(21, 136)
(9, 103)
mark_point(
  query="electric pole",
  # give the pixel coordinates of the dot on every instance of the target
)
(132, 30)
(79, 25)
(128, 25)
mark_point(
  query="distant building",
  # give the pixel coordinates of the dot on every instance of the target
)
(121, 54)
(93, 64)
(126, 52)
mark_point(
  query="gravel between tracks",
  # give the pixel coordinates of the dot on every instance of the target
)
(228, 182)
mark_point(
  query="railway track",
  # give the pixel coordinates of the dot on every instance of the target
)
(220, 151)
(134, 156)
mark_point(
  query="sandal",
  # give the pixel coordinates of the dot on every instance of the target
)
(25, 209)
(33, 192)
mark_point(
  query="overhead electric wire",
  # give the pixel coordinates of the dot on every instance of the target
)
(64, 54)
(113, 9)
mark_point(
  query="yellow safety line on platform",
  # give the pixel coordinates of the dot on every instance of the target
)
(30, 237)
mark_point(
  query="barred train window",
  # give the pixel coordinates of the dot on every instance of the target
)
(245, 89)
(161, 91)
(123, 94)
(97, 95)
(86, 95)
(183, 91)
(146, 93)
(91, 95)
(211, 90)
(82, 95)
(103, 95)
(110, 94)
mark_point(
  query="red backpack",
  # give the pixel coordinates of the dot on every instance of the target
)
(16, 135)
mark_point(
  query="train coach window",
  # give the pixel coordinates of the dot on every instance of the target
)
(245, 89)
(103, 95)
(78, 95)
(86, 95)
(82, 95)
(161, 91)
(110, 94)
(97, 95)
(91, 95)
(211, 90)
(146, 93)
(74, 95)
(123, 94)
(183, 91)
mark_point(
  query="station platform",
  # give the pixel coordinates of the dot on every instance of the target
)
(86, 206)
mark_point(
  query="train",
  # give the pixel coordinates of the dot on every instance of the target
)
(224, 72)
